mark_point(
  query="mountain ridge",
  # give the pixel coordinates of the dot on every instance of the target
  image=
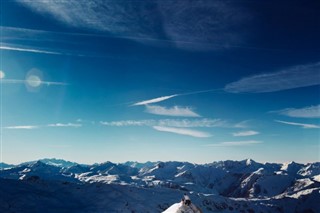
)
(226, 186)
(57, 161)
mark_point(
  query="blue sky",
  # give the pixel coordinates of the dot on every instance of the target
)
(198, 81)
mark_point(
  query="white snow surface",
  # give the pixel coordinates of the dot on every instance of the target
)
(224, 186)
(173, 209)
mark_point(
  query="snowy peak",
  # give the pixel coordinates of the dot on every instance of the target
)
(37, 170)
(53, 162)
(245, 178)
(102, 168)
(43, 167)
(291, 167)
(250, 162)
(58, 162)
(225, 186)
(138, 165)
(310, 170)
(110, 168)
(244, 166)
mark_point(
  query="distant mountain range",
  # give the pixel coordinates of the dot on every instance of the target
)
(5, 166)
(54, 185)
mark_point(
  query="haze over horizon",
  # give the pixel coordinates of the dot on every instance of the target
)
(197, 81)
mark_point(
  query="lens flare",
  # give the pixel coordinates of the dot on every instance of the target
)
(2, 74)
(33, 81)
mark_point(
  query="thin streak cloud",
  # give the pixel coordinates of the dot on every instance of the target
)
(303, 125)
(32, 80)
(29, 50)
(183, 131)
(173, 111)
(290, 78)
(154, 100)
(180, 123)
(163, 98)
(21, 127)
(65, 125)
(29, 127)
(306, 112)
(26, 34)
(40, 82)
(186, 123)
(48, 42)
(245, 133)
(128, 123)
(35, 49)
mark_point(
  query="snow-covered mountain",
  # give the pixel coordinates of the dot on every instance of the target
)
(53, 162)
(5, 166)
(224, 186)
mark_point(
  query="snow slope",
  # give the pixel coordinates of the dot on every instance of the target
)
(173, 209)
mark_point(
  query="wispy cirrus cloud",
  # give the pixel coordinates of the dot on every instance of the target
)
(183, 131)
(173, 111)
(65, 125)
(163, 98)
(215, 24)
(289, 78)
(178, 126)
(32, 80)
(31, 50)
(22, 127)
(242, 124)
(303, 125)
(205, 122)
(245, 133)
(182, 123)
(17, 35)
(236, 143)
(154, 100)
(124, 123)
(43, 42)
(306, 112)
(37, 82)
(29, 127)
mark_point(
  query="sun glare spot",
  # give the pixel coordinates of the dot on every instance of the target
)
(2, 74)
(33, 81)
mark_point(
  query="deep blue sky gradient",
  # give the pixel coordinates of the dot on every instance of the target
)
(108, 71)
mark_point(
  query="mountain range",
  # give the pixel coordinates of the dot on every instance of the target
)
(54, 185)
